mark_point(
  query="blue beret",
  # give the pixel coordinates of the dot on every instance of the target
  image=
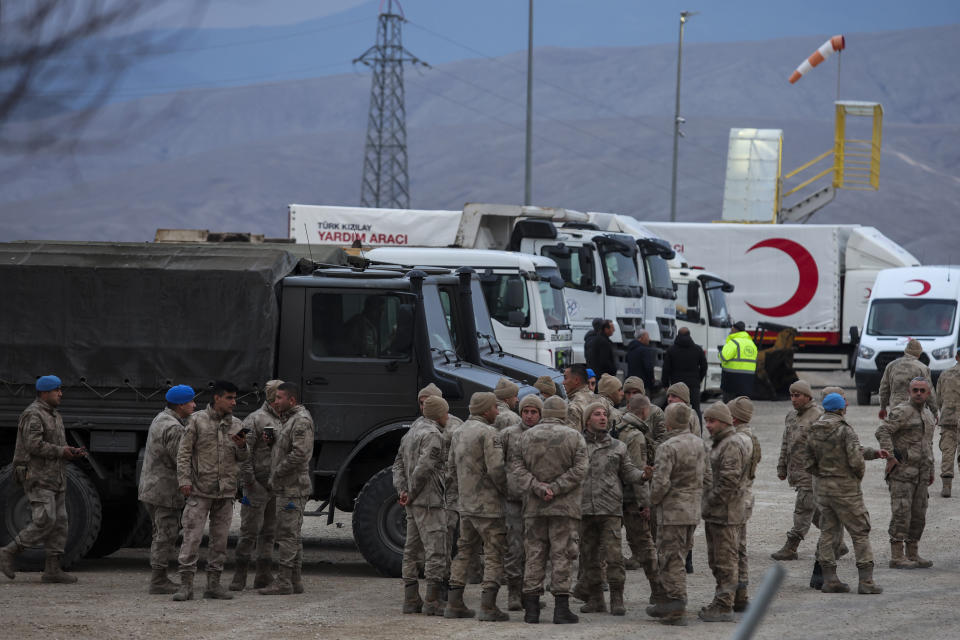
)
(48, 383)
(833, 401)
(180, 394)
(591, 374)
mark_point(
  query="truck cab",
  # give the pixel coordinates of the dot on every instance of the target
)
(905, 303)
(524, 297)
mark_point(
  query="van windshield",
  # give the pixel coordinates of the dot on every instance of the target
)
(902, 317)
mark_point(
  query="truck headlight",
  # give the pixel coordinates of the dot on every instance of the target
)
(943, 352)
(865, 352)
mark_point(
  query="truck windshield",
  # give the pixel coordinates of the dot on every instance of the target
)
(902, 317)
(717, 301)
(620, 271)
(554, 306)
(657, 271)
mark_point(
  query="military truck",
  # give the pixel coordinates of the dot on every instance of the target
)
(122, 322)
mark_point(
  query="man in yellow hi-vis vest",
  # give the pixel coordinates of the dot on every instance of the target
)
(738, 360)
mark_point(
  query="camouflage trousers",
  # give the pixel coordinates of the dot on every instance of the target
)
(453, 521)
(600, 541)
(639, 534)
(426, 541)
(948, 446)
(673, 541)
(743, 565)
(804, 513)
(723, 558)
(480, 534)
(48, 520)
(908, 509)
(165, 523)
(258, 527)
(195, 513)
(514, 559)
(289, 518)
(836, 514)
(553, 538)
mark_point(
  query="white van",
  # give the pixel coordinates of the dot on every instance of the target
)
(523, 292)
(909, 302)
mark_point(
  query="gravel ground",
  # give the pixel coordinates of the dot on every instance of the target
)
(345, 598)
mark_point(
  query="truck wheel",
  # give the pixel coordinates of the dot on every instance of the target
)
(863, 396)
(380, 524)
(83, 516)
(119, 519)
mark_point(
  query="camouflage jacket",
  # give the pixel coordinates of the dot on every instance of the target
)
(511, 451)
(577, 403)
(506, 417)
(450, 498)
(158, 477)
(609, 468)
(724, 486)
(476, 469)
(908, 431)
(948, 397)
(207, 459)
(834, 456)
(640, 451)
(677, 481)
(752, 445)
(553, 454)
(291, 454)
(895, 383)
(40, 442)
(419, 466)
(793, 454)
(655, 429)
(255, 470)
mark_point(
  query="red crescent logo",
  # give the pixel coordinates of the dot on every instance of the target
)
(869, 293)
(924, 287)
(807, 285)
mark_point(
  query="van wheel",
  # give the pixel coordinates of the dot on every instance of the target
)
(380, 524)
(863, 396)
(83, 517)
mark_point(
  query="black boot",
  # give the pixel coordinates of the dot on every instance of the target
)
(531, 608)
(816, 579)
(561, 611)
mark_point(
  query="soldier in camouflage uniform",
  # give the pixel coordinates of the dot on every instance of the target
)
(790, 466)
(610, 392)
(579, 394)
(610, 468)
(258, 509)
(895, 382)
(531, 408)
(675, 492)
(741, 410)
(418, 478)
(636, 504)
(506, 392)
(550, 468)
(653, 425)
(908, 433)
(290, 484)
(208, 466)
(724, 509)
(38, 462)
(546, 386)
(835, 459)
(948, 402)
(476, 471)
(158, 483)
(680, 392)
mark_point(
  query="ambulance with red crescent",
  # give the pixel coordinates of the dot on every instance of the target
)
(816, 278)
(910, 302)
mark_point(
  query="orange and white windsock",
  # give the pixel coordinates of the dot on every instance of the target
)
(836, 43)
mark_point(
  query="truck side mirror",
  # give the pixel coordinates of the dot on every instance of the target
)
(693, 315)
(556, 282)
(516, 318)
(693, 295)
(514, 293)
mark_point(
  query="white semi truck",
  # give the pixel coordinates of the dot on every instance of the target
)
(816, 278)
(607, 274)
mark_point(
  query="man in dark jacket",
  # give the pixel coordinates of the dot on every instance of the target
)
(684, 361)
(598, 350)
(641, 360)
(589, 342)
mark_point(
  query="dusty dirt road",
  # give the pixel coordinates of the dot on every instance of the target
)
(345, 598)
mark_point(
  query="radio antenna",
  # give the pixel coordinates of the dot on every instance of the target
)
(306, 231)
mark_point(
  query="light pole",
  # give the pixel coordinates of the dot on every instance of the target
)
(528, 158)
(677, 120)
